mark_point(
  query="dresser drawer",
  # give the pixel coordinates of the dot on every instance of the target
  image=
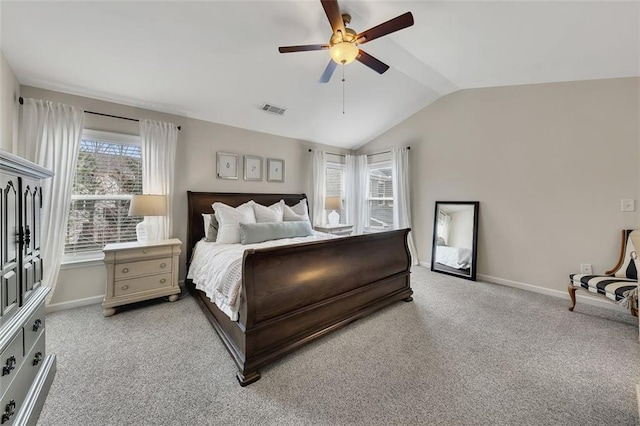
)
(33, 360)
(125, 271)
(33, 328)
(137, 285)
(10, 361)
(143, 252)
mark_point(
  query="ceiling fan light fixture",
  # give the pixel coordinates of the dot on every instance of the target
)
(344, 53)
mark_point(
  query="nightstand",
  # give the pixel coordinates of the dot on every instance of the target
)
(343, 230)
(140, 271)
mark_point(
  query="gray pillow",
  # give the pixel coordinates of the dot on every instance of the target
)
(258, 232)
(212, 232)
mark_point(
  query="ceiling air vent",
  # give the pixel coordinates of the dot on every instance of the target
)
(273, 109)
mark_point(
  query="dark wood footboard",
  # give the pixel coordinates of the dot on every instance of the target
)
(292, 295)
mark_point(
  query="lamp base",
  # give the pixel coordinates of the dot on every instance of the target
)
(146, 231)
(333, 218)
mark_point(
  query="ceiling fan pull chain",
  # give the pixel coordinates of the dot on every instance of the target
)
(343, 88)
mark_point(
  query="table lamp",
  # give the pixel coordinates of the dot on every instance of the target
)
(333, 204)
(147, 205)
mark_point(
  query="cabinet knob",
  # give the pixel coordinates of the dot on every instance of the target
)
(144, 251)
(125, 270)
(9, 411)
(9, 365)
(163, 265)
(37, 324)
(37, 358)
(162, 281)
(125, 287)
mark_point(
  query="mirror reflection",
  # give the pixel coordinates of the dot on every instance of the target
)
(455, 237)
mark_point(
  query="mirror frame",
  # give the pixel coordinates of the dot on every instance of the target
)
(474, 254)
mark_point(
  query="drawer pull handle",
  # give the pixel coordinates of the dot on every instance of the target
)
(162, 265)
(9, 365)
(162, 281)
(125, 287)
(125, 270)
(37, 324)
(37, 358)
(9, 411)
(144, 251)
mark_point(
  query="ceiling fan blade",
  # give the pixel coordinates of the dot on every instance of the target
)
(392, 25)
(332, 10)
(304, 48)
(371, 62)
(328, 72)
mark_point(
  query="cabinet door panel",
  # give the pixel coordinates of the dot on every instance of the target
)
(10, 246)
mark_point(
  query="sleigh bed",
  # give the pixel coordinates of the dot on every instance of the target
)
(291, 295)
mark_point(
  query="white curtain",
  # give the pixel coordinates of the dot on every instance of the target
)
(50, 136)
(159, 142)
(401, 196)
(318, 178)
(356, 189)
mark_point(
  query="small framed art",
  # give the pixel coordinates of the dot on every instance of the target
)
(275, 170)
(227, 165)
(252, 167)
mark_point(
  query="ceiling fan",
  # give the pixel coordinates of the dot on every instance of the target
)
(343, 44)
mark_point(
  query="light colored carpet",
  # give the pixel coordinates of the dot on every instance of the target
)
(463, 353)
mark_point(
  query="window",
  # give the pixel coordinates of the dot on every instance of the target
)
(334, 181)
(108, 173)
(380, 197)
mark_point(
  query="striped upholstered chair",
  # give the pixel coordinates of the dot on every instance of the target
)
(620, 284)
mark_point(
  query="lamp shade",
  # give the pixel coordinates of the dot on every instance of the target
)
(333, 203)
(148, 205)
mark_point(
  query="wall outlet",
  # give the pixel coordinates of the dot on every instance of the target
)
(585, 268)
(628, 205)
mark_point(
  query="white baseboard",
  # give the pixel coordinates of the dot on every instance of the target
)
(73, 304)
(83, 302)
(580, 298)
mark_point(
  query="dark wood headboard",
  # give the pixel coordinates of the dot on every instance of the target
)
(200, 202)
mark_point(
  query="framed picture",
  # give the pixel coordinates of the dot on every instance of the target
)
(252, 167)
(275, 170)
(227, 165)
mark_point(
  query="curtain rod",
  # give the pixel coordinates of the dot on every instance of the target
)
(368, 155)
(21, 100)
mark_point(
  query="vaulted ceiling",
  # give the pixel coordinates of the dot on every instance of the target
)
(218, 61)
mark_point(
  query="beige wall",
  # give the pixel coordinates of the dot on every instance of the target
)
(198, 142)
(549, 164)
(9, 93)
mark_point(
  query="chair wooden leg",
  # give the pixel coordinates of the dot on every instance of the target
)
(572, 294)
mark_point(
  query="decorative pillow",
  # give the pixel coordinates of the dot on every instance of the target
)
(629, 268)
(296, 213)
(258, 232)
(210, 227)
(273, 213)
(229, 219)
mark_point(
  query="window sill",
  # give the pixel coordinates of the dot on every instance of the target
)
(82, 260)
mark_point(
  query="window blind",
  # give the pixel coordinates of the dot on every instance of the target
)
(108, 173)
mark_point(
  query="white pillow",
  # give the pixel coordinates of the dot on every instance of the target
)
(207, 221)
(273, 213)
(229, 219)
(296, 213)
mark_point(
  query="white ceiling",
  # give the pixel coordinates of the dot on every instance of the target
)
(218, 61)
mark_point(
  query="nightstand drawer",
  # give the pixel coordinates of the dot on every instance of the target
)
(10, 361)
(125, 271)
(143, 252)
(137, 285)
(33, 328)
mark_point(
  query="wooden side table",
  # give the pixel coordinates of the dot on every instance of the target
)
(140, 271)
(343, 230)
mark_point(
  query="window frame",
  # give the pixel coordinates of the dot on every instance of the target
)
(90, 258)
(383, 164)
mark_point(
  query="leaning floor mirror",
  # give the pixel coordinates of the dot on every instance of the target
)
(455, 238)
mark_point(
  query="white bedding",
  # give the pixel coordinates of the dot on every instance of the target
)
(455, 257)
(216, 269)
